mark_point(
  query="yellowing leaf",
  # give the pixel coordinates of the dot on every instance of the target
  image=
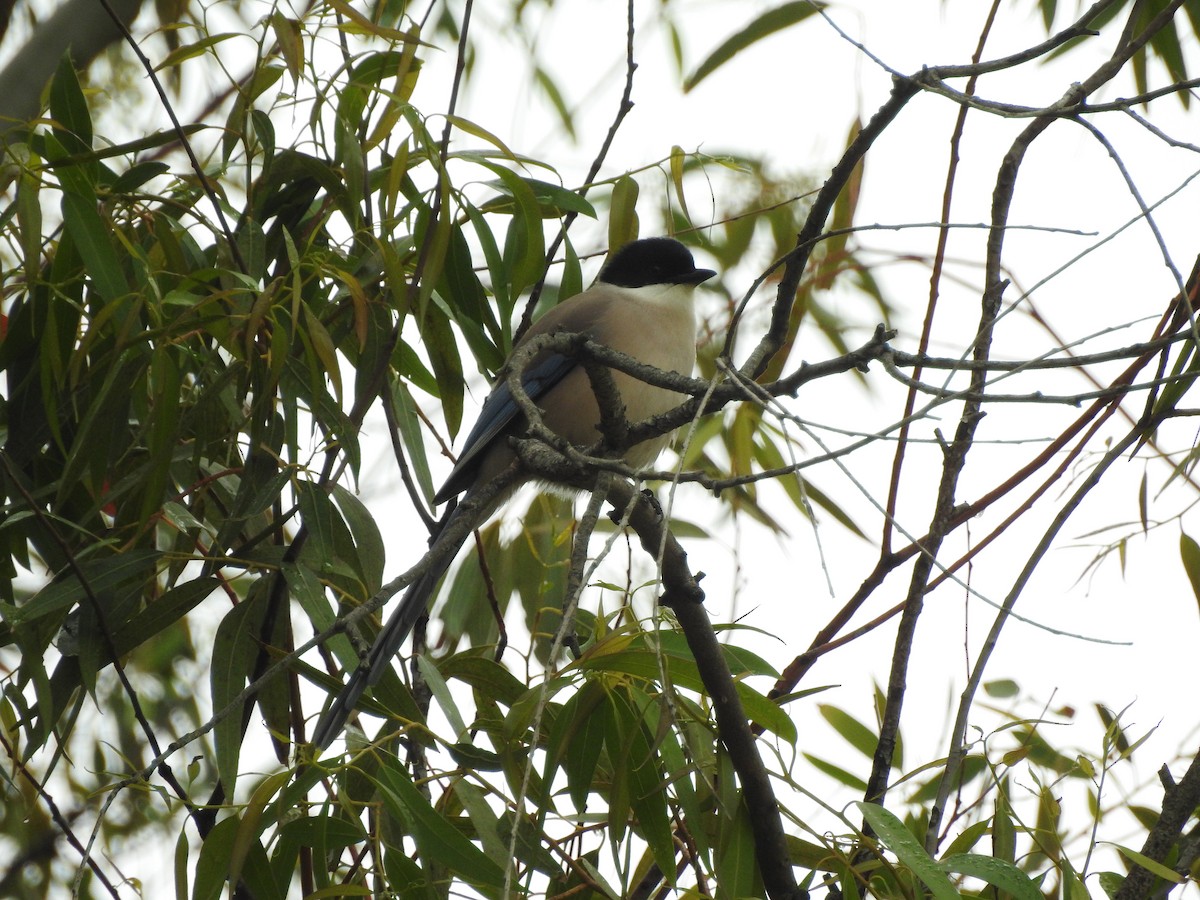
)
(1189, 552)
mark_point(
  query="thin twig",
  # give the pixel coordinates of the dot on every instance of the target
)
(623, 109)
(235, 252)
(58, 818)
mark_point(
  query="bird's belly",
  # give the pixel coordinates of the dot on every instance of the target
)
(578, 420)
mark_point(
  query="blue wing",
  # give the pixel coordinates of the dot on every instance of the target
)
(499, 411)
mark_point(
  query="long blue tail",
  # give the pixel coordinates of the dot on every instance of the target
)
(412, 606)
(387, 645)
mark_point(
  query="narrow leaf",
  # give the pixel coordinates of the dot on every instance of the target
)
(647, 798)
(996, 872)
(409, 426)
(69, 107)
(1143, 504)
(91, 235)
(1150, 865)
(765, 25)
(437, 840)
(190, 51)
(368, 540)
(737, 871)
(908, 849)
(163, 612)
(212, 865)
(1189, 552)
(101, 575)
(858, 735)
(475, 130)
(234, 649)
(678, 159)
(250, 824)
(291, 43)
(441, 692)
(622, 214)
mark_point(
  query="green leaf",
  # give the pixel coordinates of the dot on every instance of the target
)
(321, 518)
(290, 37)
(1110, 882)
(166, 381)
(485, 675)
(1113, 732)
(647, 798)
(1150, 865)
(844, 776)
(212, 865)
(435, 235)
(556, 199)
(505, 299)
(1002, 688)
(765, 25)
(487, 825)
(810, 855)
(571, 281)
(575, 742)
(191, 51)
(1048, 8)
(622, 213)
(100, 575)
(476, 130)
(967, 838)
(996, 872)
(736, 867)
(1189, 552)
(137, 175)
(305, 587)
(678, 158)
(368, 540)
(543, 80)
(316, 831)
(163, 612)
(644, 664)
(258, 875)
(246, 845)
(181, 865)
(525, 242)
(858, 735)
(69, 108)
(92, 237)
(1073, 887)
(471, 756)
(437, 840)
(908, 849)
(409, 426)
(531, 847)
(139, 145)
(618, 720)
(740, 660)
(1004, 833)
(438, 340)
(29, 221)
(467, 303)
(317, 337)
(441, 692)
(234, 650)
(263, 78)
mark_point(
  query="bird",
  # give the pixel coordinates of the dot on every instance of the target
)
(642, 305)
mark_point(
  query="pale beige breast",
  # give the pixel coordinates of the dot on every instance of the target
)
(658, 329)
(653, 325)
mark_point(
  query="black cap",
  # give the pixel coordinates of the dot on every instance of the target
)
(658, 260)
